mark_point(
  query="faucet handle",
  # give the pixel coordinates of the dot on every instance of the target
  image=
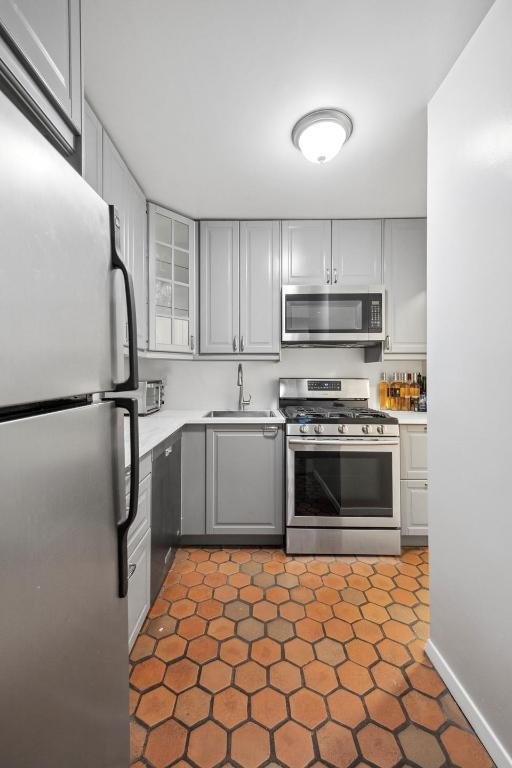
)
(247, 400)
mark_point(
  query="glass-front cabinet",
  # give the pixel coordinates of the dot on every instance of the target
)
(172, 270)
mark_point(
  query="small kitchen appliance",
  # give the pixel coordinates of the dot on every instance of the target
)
(150, 396)
(342, 467)
(331, 315)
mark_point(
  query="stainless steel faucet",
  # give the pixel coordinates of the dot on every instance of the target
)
(242, 402)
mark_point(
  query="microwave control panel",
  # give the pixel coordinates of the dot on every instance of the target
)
(375, 319)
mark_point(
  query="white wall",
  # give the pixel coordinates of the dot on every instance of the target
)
(470, 374)
(210, 384)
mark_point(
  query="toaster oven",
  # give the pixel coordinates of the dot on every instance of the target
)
(150, 396)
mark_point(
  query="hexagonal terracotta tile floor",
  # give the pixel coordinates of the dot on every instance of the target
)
(252, 659)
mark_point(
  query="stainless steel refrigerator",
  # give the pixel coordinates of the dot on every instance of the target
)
(63, 526)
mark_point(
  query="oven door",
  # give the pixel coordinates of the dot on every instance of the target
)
(343, 482)
(320, 314)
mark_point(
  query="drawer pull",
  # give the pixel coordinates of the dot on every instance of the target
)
(426, 485)
(131, 570)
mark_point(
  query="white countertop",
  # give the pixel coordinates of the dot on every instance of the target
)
(409, 417)
(156, 427)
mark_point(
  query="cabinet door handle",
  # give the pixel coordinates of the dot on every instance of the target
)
(335, 275)
(168, 451)
(192, 341)
(131, 570)
(426, 485)
(387, 343)
(242, 343)
(235, 343)
(328, 274)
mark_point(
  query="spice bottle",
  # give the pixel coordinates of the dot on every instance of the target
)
(383, 392)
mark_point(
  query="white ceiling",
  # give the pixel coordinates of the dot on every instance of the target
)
(200, 96)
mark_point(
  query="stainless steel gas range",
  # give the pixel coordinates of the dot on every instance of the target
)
(343, 469)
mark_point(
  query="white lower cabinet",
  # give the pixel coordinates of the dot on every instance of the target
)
(139, 551)
(413, 505)
(139, 574)
(413, 479)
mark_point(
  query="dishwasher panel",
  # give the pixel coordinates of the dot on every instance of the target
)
(165, 509)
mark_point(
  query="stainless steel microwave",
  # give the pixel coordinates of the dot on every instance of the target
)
(323, 315)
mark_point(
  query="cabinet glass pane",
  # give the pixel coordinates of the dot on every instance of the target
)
(163, 293)
(163, 269)
(181, 259)
(164, 252)
(180, 234)
(163, 229)
(180, 297)
(180, 274)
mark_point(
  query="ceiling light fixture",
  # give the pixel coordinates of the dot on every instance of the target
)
(320, 135)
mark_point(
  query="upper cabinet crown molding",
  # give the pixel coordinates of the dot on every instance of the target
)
(240, 288)
(405, 278)
(40, 59)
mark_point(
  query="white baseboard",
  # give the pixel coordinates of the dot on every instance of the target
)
(482, 728)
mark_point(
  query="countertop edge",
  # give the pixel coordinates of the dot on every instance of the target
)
(166, 423)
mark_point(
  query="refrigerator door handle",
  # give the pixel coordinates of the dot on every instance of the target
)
(129, 404)
(132, 382)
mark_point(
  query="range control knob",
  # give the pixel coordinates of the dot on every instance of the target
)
(342, 428)
(319, 429)
(366, 429)
(380, 429)
(304, 428)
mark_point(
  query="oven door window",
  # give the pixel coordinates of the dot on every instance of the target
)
(348, 484)
(326, 313)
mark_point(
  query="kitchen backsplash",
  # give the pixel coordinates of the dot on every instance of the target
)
(198, 384)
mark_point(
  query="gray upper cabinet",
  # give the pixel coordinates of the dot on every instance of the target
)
(259, 287)
(120, 188)
(239, 287)
(92, 149)
(357, 252)
(244, 479)
(219, 287)
(306, 252)
(172, 279)
(405, 278)
(41, 59)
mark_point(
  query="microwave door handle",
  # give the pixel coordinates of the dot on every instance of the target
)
(132, 382)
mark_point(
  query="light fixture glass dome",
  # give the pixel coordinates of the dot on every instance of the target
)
(321, 134)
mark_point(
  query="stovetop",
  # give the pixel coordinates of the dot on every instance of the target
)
(336, 412)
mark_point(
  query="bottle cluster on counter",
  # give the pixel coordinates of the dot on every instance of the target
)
(403, 392)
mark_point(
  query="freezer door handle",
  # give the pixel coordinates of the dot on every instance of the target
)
(129, 404)
(132, 382)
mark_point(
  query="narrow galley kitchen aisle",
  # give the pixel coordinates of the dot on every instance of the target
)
(252, 658)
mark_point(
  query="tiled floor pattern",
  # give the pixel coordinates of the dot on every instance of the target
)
(251, 658)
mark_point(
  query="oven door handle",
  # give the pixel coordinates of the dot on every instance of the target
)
(369, 442)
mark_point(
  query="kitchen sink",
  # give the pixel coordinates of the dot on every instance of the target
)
(241, 414)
